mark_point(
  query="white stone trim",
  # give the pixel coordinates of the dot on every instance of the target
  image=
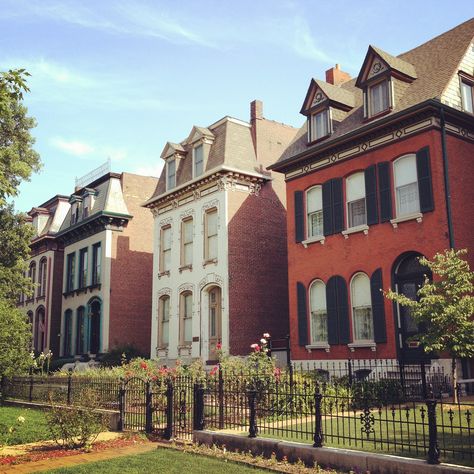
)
(410, 217)
(354, 230)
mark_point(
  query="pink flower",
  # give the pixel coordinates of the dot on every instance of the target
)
(144, 365)
(218, 346)
(255, 347)
(277, 373)
(214, 370)
(266, 335)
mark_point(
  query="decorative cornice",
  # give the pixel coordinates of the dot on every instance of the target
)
(164, 291)
(186, 287)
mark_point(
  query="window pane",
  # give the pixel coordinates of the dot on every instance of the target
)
(212, 247)
(319, 326)
(467, 103)
(171, 168)
(363, 324)
(314, 199)
(198, 160)
(165, 335)
(315, 224)
(361, 290)
(319, 125)
(378, 97)
(212, 223)
(405, 171)
(166, 238)
(355, 187)
(212, 322)
(188, 231)
(357, 214)
(188, 254)
(407, 199)
(318, 296)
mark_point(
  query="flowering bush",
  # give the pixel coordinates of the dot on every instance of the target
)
(6, 431)
(41, 362)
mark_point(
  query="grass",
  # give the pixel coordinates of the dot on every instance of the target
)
(401, 431)
(33, 429)
(159, 461)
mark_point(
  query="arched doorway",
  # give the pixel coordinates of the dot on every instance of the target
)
(95, 309)
(408, 277)
(214, 301)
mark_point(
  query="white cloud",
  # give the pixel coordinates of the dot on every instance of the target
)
(72, 147)
(305, 44)
(149, 169)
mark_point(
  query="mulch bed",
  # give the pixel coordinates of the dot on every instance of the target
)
(41, 453)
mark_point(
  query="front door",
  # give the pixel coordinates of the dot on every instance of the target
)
(215, 321)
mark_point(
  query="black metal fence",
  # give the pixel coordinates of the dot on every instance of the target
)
(366, 405)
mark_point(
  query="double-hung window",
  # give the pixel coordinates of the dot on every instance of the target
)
(319, 316)
(70, 271)
(319, 125)
(406, 186)
(355, 197)
(362, 308)
(314, 212)
(164, 318)
(187, 242)
(96, 263)
(186, 310)
(198, 161)
(42, 277)
(467, 96)
(379, 99)
(165, 249)
(83, 267)
(210, 250)
(170, 174)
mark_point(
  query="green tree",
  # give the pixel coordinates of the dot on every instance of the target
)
(445, 307)
(18, 160)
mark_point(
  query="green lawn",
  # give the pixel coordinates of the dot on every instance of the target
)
(400, 431)
(33, 429)
(164, 461)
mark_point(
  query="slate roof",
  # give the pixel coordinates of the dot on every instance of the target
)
(435, 63)
(332, 92)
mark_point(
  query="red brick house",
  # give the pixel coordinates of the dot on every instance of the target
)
(380, 173)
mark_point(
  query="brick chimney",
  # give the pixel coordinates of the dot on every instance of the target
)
(336, 76)
(256, 110)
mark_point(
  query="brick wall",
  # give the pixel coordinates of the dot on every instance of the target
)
(131, 268)
(56, 301)
(378, 249)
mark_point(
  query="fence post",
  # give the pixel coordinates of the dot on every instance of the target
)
(318, 431)
(148, 408)
(30, 396)
(122, 405)
(423, 380)
(252, 395)
(198, 406)
(221, 399)
(288, 351)
(433, 450)
(69, 388)
(349, 371)
(169, 410)
(401, 369)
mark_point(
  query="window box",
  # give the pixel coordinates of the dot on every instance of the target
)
(312, 240)
(411, 217)
(361, 345)
(318, 346)
(354, 230)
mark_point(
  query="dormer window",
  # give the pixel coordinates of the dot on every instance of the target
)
(378, 98)
(171, 174)
(319, 125)
(467, 96)
(198, 161)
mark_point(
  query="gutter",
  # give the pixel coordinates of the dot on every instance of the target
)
(447, 191)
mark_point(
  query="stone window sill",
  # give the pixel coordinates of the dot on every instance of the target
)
(185, 267)
(354, 230)
(318, 346)
(312, 240)
(165, 273)
(411, 217)
(209, 262)
(361, 345)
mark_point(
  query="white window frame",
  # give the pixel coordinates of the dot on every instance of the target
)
(414, 184)
(315, 310)
(201, 147)
(364, 307)
(349, 219)
(164, 303)
(184, 243)
(207, 255)
(185, 318)
(317, 211)
(326, 121)
(467, 102)
(164, 251)
(370, 91)
(170, 184)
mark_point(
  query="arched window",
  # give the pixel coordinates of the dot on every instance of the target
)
(30, 317)
(67, 337)
(95, 318)
(186, 318)
(42, 277)
(406, 185)
(164, 320)
(81, 331)
(210, 225)
(314, 211)
(215, 320)
(319, 316)
(362, 308)
(40, 329)
(32, 275)
(355, 197)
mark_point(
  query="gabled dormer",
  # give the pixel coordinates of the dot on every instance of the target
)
(383, 79)
(199, 143)
(39, 218)
(76, 208)
(88, 198)
(325, 105)
(173, 153)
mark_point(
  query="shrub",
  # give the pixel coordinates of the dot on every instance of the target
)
(76, 426)
(120, 355)
(377, 393)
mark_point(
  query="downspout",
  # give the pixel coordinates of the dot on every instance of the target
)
(447, 192)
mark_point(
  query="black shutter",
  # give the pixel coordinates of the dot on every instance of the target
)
(371, 195)
(302, 314)
(378, 308)
(331, 308)
(425, 188)
(338, 205)
(385, 191)
(342, 310)
(299, 216)
(328, 227)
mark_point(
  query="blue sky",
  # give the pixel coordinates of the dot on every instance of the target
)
(118, 79)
